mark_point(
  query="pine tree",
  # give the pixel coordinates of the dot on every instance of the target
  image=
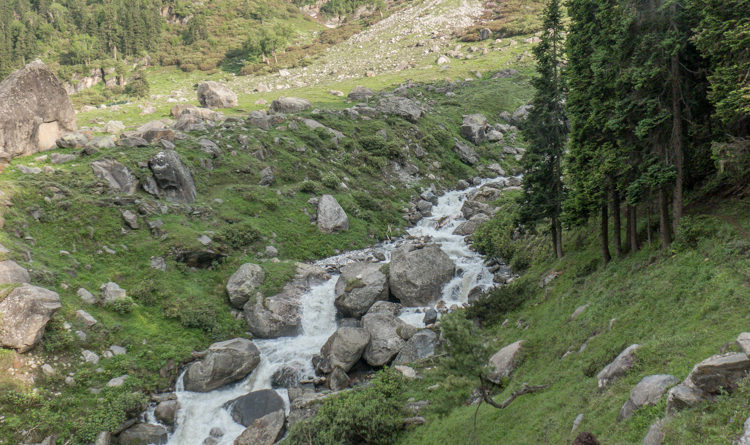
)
(546, 131)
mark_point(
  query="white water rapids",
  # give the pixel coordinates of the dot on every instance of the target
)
(200, 412)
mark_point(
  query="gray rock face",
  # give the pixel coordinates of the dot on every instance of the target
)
(485, 33)
(400, 106)
(647, 392)
(35, 111)
(172, 178)
(417, 276)
(215, 95)
(474, 128)
(360, 93)
(420, 346)
(471, 226)
(11, 272)
(720, 372)
(521, 114)
(250, 407)
(112, 292)
(471, 208)
(119, 177)
(655, 436)
(385, 341)
(504, 362)
(430, 316)
(166, 411)
(331, 216)
(244, 283)
(337, 380)
(743, 341)
(24, 313)
(263, 120)
(358, 287)
(745, 439)
(266, 177)
(143, 434)
(289, 105)
(618, 367)
(225, 362)
(683, 396)
(264, 431)
(303, 404)
(209, 147)
(465, 153)
(73, 140)
(61, 158)
(343, 349)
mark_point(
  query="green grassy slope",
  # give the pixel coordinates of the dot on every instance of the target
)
(682, 307)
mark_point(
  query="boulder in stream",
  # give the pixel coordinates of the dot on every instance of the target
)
(225, 362)
(417, 275)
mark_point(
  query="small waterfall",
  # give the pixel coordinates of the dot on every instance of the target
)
(200, 412)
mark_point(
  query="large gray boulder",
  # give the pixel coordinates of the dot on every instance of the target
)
(289, 105)
(343, 349)
(474, 127)
(417, 275)
(360, 93)
(331, 216)
(647, 392)
(471, 226)
(385, 338)
(683, 396)
(215, 95)
(263, 431)
(465, 153)
(172, 179)
(720, 372)
(244, 283)
(35, 111)
(504, 362)
(263, 120)
(521, 113)
(400, 106)
(420, 346)
(166, 411)
(24, 313)
(618, 367)
(252, 406)
(143, 434)
(11, 272)
(225, 362)
(358, 287)
(119, 177)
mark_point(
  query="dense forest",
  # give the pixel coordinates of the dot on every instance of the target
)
(643, 102)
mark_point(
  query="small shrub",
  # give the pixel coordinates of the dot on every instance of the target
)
(689, 233)
(330, 180)
(138, 86)
(121, 306)
(492, 307)
(310, 187)
(238, 235)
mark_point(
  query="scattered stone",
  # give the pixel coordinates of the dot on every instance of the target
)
(224, 362)
(289, 105)
(215, 95)
(73, 140)
(131, 219)
(61, 158)
(442, 60)
(400, 106)
(244, 283)
(114, 127)
(406, 371)
(158, 263)
(465, 153)
(266, 177)
(84, 317)
(331, 216)
(24, 314)
(647, 392)
(337, 379)
(485, 34)
(420, 346)
(682, 396)
(119, 177)
(172, 179)
(618, 367)
(430, 316)
(86, 296)
(474, 128)
(360, 93)
(166, 411)
(504, 362)
(112, 292)
(576, 423)
(271, 252)
(385, 341)
(48, 370)
(579, 310)
(655, 435)
(90, 357)
(469, 227)
(720, 372)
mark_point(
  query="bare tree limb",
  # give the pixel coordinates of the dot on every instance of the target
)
(525, 389)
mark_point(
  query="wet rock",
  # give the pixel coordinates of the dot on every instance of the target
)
(287, 376)
(647, 392)
(24, 314)
(618, 367)
(225, 362)
(430, 317)
(337, 379)
(244, 284)
(331, 217)
(504, 362)
(417, 276)
(166, 412)
(289, 105)
(216, 95)
(252, 406)
(358, 287)
(385, 341)
(263, 431)
(420, 346)
(143, 434)
(469, 227)
(344, 348)
(119, 177)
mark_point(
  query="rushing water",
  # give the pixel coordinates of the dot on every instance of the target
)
(200, 412)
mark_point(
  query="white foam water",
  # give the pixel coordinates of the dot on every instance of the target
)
(200, 412)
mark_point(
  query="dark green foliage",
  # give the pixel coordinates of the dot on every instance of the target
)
(238, 235)
(138, 86)
(121, 306)
(366, 415)
(494, 305)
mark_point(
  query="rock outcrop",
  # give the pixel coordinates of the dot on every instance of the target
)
(289, 105)
(119, 178)
(11, 272)
(225, 362)
(172, 179)
(24, 313)
(417, 275)
(244, 283)
(358, 287)
(331, 216)
(504, 361)
(215, 95)
(647, 392)
(618, 367)
(35, 111)
(400, 106)
(143, 434)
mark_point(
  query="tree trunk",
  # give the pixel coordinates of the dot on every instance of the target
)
(553, 232)
(605, 234)
(677, 150)
(664, 226)
(558, 246)
(633, 228)
(614, 199)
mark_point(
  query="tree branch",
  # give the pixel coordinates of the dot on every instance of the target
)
(525, 389)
